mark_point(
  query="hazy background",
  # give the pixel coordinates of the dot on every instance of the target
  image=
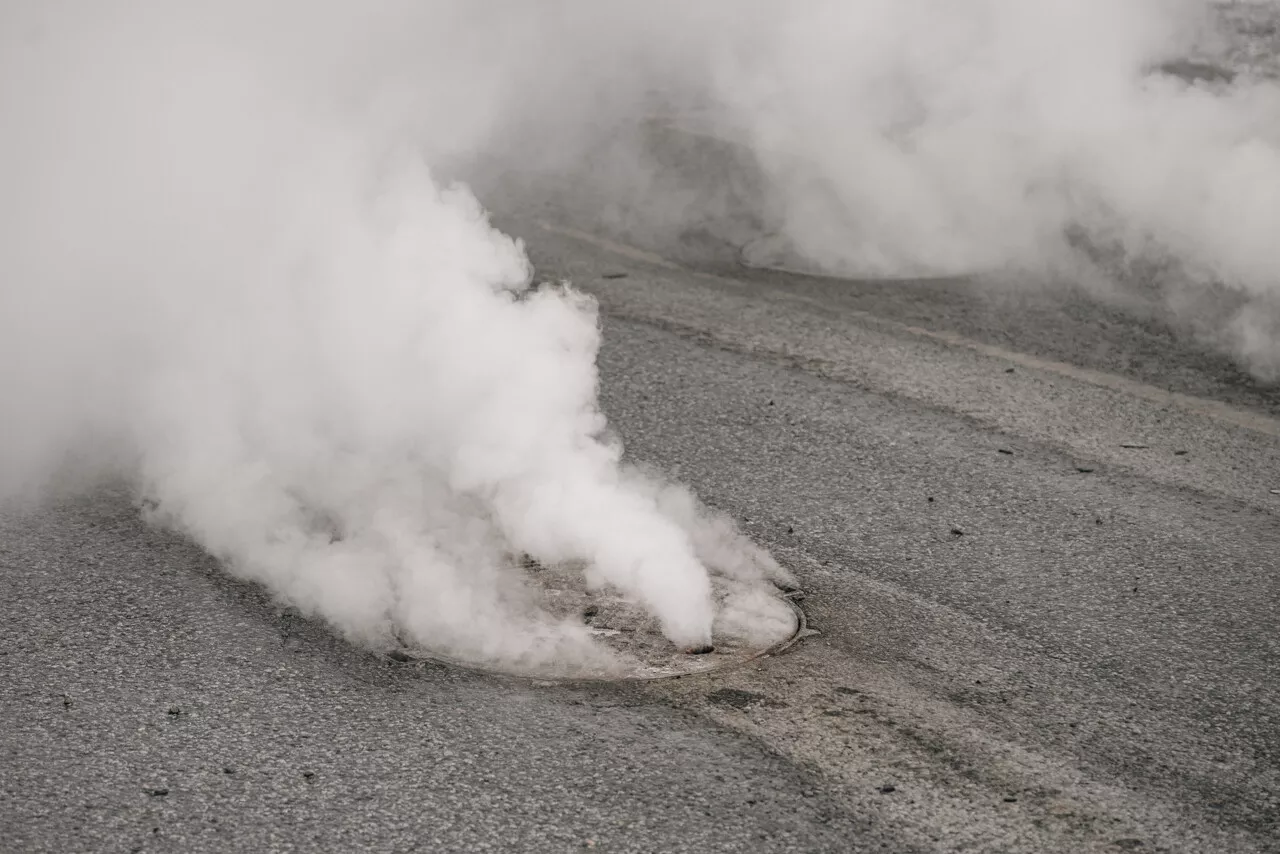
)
(1127, 146)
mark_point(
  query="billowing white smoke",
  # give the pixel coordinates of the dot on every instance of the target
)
(227, 268)
(910, 136)
(227, 271)
(925, 135)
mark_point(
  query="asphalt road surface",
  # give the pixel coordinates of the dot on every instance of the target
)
(1037, 533)
(1038, 536)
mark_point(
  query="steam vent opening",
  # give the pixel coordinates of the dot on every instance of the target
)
(750, 624)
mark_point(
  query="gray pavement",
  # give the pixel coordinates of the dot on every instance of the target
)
(153, 704)
(1033, 638)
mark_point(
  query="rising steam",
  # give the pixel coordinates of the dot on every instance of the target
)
(231, 272)
(899, 138)
(1005, 134)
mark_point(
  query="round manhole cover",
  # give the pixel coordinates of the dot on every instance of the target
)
(752, 620)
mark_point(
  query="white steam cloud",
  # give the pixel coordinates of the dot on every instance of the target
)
(229, 268)
(899, 138)
(919, 136)
(229, 273)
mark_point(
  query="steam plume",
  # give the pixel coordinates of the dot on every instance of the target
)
(230, 275)
(230, 271)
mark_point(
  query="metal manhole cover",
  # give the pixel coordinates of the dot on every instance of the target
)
(752, 621)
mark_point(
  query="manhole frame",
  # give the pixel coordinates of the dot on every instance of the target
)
(802, 631)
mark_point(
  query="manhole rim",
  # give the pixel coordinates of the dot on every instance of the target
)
(801, 632)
